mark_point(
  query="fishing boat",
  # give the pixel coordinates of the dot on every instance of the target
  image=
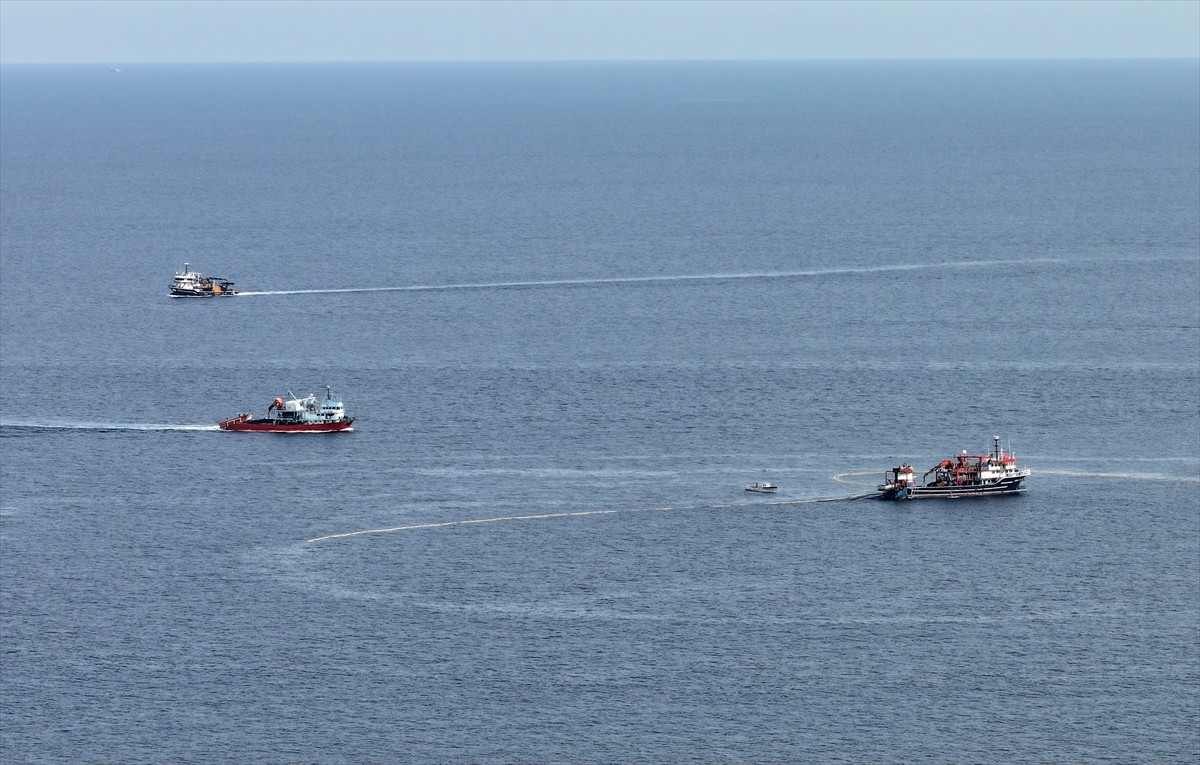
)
(189, 283)
(762, 487)
(296, 415)
(965, 475)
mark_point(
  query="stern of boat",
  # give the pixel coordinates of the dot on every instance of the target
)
(233, 422)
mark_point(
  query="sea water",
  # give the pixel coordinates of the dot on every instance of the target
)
(575, 309)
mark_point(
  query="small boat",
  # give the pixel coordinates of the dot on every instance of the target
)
(189, 283)
(965, 475)
(762, 487)
(296, 415)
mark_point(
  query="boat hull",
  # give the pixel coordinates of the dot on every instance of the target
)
(999, 488)
(272, 426)
(194, 294)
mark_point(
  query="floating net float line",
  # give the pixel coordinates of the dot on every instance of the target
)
(845, 477)
(1125, 476)
(842, 477)
(581, 514)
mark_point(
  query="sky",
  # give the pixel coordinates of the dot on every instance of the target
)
(117, 32)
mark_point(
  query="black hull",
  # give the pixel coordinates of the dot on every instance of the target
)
(998, 489)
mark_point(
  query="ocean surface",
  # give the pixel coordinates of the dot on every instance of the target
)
(575, 309)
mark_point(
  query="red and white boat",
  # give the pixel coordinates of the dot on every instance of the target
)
(967, 475)
(296, 415)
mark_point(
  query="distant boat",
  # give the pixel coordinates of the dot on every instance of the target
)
(762, 487)
(191, 284)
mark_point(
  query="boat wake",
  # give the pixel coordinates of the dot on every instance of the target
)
(817, 272)
(101, 426)
(582, 514)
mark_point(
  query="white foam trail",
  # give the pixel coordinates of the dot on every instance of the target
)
(143, 426)
(579, 514)
(667, 279)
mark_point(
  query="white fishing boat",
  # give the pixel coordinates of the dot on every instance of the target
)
(192, 284)
(762, 487)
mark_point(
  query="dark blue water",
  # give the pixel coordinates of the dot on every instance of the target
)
(615, 294)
